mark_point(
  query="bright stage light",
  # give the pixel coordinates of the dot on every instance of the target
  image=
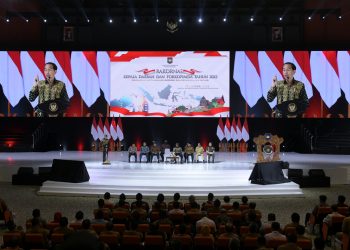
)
(135, 20)
(111, 20)
(200, 20)
(224, 19)
(180, 20)
(252, 19)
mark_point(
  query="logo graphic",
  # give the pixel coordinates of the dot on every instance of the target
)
(147, 71)
(170, 60)
(190, 71)
(53, 107)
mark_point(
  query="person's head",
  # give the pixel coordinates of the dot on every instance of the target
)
(64, 222)
(210, 196)
(154, 143)
(57, 216)
(86, 224)
(107, 196)
(295, 217)
(300, 230)
(226, 199)
(160, 197)
(229, 227)
(109, 226)
(217, 203)
(177, 144)
(139, 197)
(209, 144)
(252, 205)
(341, 199)
(319, 243)
(133, 145)
(144, 144)
(271, 217)
(323, 198)
(106, 137)
(288, 70)
(176, 197)
(50, 70)
(235, 205)
(79, 215)
(198, 144)
(191, 199)
(36, 213)
(275, 226)
(122, 197)
(100, 203)
(244, 199)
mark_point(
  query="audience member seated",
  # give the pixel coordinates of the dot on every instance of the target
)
(189, 151)
(36, 215)
(192, 206)
(175, 199)
(139, 198)
(205, 221)
(301, 233)
(199, 153)
(132, 230)
(122, 203)
(209, 203)
(99, 218)
(291, 243)
(176, 209)
(63, 227)
(229, 233)
(56, 217)
(177, 150)
(154, 230)
(251, 209)
(12, 228)
(262, 244)
(159, 203)
(164, 219)
(295, 217)
(322, 203)
(101, 207)
(210, 153)
(266, 227)
(253, 231)
(109, 231)
(13, 244)
(86, 226)
(244, 203)
(38, 228)
(154, 152)
(107, 200)
(216, 207)
(138, 216)
(79, 217)
(222, 218)
(83, 239)
(275, 234)
(205, 231)
(226, 205)
(328, 218)
(144, 151)
(132, 152)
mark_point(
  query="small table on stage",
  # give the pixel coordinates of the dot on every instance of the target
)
(171, 159)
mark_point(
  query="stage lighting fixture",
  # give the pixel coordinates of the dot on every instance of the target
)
(27, 20)
(157, 20)
(309, 18)
(135, 20)
(110, 20)
(65, 20)
(45, 20)
(88, 20)
(7, 20)
(180, 20)
(252, 19)
(200, 20)
(224, 19)
(323, 17)
(339, 17)
(281, 18)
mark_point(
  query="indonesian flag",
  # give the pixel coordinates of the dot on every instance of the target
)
(32, 63)
(246, 73)
(245, 130)
(271, 64)
(100, 131)
(94, 132)
(113, 129)
(85, 75)
(239, 129)
(104, 65)
(64, 69)
(344, 72)
(11, 76)
(227, 129)
(234, 130)
(120, 133)
(325, 75)
(106, 128)
(220, 130)
(301, 59)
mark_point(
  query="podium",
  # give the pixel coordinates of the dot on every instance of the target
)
(289, 109)
(52, 108)
(268, 147)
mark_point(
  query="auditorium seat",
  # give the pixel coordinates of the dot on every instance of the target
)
(52, 225)
(120, 228)
(226, 206)
(290, 230)
(213, 216)
(98, 228)
(185, 241)
(203, 243)
(176, 218)
(305, 244)
(9, 236)
(177, 228)
(57, 238)
(250, 242)
(343, 210)
(154, 242)
(243, 230)
(130, 242)
(154, 216)
(111, 240)
(222, 243)
(275, 243)
(34, 240)
(194, 217)
(120, 216)
(243, 207)
(75, 226)
(166, 228)
(109, 206)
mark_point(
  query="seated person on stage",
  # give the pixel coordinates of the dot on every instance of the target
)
(189, 151)
(177, 150)
(144, 151)
(154, 152)
(199, 152)
(164, 146)
(133, 151)
(210, 152)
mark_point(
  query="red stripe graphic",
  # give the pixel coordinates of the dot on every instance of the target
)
(131, 55)
(39, 59)
(91, 57)
(253, 57)
(332, 59)
(277, 59)
(15, 56)
(63, 58)
(303, 59)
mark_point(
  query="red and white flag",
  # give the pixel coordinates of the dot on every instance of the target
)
(113, 129)
(344, 72)
(11, 76)
(106, 128)
(233, 130)
(64, 69)
(32, 66)
(245, 130)
(104, 65)
(239, 129)
(100, 131)
(120, 132)
(85, 75)
(301, 59)
(227, 129)
(325, 75)
(271, 64)
(220, 130)
(246, 73)
(94, 132)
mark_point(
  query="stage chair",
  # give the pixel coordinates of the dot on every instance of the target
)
(133, 156)
(154, 242)
(200, 158)
(142, 158)
(75, 226)
(111, 240)
(222, 243)
(98, 228)
(203, 242)
(305, 244)
(34, 240)
(9, 236)
(120, 228)
(275, 243)
(131, 242)
(57, 238)
(185, 241)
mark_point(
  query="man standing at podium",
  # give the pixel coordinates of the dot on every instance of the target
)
(49, 89)
(288, 89)
(105, 145)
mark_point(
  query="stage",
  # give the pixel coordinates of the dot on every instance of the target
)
(227, 176)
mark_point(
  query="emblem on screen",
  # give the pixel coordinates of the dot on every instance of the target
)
(53, 107)
(170, 60)
(292, 107)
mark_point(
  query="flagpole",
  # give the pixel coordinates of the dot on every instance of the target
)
(107, 110)
(8, 108)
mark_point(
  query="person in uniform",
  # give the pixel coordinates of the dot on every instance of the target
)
(177, 150)
(210, 152)
(199, 151)
(105, 144)
(48, 90)
(132, 152)
(189, 151)
(287, 90)
(164, 146)
(154, 152)
(144, 151)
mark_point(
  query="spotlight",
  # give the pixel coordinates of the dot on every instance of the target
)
(252, 19)
(135, 20)
(339, 17)
(224, 19)
(157, 20)
(309, 18)
(281, 18)
(65, 20)
(323, 17)
(27, 20)
(180, 20)
(88, 20)
(110, 20)
(200, 20)
(7, 20)
(45, 20)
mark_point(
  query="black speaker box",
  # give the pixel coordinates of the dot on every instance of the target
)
(69, 171)
(316, 173)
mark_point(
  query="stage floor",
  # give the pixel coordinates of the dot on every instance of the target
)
(227, 176)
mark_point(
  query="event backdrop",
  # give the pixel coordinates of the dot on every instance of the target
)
(175, 83)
